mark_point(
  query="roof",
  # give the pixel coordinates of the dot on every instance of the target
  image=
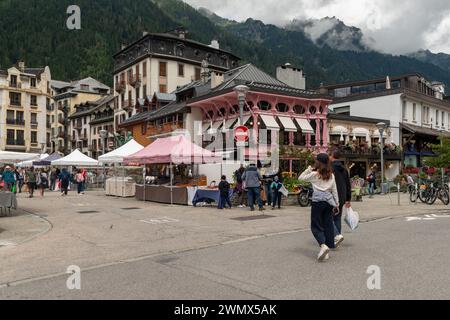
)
(343, 117)
(174, 37)
(91, 106)
(168, 109)
(249, 75)
(165, 96)
(79, 86)
(424, 130)
(370, 81)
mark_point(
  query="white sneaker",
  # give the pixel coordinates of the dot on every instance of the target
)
(324, 251)
(338, 240)
(327, 257)
(240, 206)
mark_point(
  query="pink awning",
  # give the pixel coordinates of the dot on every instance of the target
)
(174, 149)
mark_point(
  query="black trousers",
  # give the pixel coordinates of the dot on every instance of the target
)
(338, 221)
(322, 225)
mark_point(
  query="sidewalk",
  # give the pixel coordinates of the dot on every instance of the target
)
(94, 229)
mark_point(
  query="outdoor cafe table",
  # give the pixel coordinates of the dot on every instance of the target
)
(204, 195)
(8, 200)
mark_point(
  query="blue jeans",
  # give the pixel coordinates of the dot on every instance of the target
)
(268, 190)
(371, 188)
(322, 225)
(254, 196)
(80, 187)
(338, 221)
(224, 201)
(276, 197)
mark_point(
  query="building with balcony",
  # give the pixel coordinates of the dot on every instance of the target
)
(24, 97)
(86, 124)
(160, 63)
(416, 109)
(66, 96)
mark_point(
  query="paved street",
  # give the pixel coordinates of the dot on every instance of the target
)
(162, 252)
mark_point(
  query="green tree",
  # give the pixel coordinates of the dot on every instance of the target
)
(442, 149)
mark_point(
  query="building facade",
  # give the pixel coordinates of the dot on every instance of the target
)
(160, 63)
(415, 108)
(87, 123)
(66, 96)
(25, 104)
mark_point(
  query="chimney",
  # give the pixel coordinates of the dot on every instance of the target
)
(21, 65)
(144, 33)
(216, 79)
(215, 44)
(291, 76)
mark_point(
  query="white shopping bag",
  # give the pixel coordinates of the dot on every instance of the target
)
(351, 218)
(284, 191)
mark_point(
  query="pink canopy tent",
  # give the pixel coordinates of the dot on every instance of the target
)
(174, 150)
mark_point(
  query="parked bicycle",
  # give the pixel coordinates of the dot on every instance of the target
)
(428, 193)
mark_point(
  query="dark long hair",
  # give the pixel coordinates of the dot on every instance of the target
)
(324, 170)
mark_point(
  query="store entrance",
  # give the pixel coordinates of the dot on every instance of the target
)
(358, 169)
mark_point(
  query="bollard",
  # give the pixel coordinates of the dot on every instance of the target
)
(398, 193)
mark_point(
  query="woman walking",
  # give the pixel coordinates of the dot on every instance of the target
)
(80, 181)
(372, 181)
(325, 203)
(43, 182)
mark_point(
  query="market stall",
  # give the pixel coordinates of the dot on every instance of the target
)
(47, 161)
(169, 170)
(16, 157)
(30, 163)
(76, 159)
(120, 185)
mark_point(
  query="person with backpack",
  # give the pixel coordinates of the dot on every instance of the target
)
(9, 178)
(276, 194)
(224, 189)
(79, 178)
(252, 180)
(372, 181)
(345, 193)
(325, 203)
(42, 181)
(64, 178)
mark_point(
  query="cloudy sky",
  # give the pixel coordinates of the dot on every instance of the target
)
(400, 26)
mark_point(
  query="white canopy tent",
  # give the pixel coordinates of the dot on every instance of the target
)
(76, 158)
(29, 163)
(14, 157)
(117, 155)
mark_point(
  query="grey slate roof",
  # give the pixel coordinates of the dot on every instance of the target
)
(76, 86)
(167, 97)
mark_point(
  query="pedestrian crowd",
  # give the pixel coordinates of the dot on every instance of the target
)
(18, 180)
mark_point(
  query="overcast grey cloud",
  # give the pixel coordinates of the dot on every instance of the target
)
(397, 27)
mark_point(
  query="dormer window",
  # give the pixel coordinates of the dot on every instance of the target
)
(33, 82)
(85, 87)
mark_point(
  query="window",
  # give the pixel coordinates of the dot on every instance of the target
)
(85, 87)
(34, 137)
(14, 98)
(10, 137)
(137, 93)
(10, 119)
(163, 69)
(437, 117)
(198, 74)
(20, 137)
(144, 69)
(414, 112)
(342, 92)
(13, 81)
(19, 117)
(144, 90)
(442, 119)
(181, 70)
(33, 100)
(162, 88)
(137, 70)
(33, 82)
(34, 118)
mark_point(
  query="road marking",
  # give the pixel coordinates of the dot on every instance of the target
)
(427, 217)
(5, 243)
(160, 220)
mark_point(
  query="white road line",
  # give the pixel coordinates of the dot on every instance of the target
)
(160, 220)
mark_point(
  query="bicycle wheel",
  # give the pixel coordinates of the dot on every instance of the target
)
(423, 196)
(432, 196)
(444, 197)
(413, 196)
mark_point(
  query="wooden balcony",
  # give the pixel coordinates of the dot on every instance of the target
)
(128, 104)
(120, 86)
(135, 80)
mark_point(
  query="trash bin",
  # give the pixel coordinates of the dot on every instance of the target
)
(385, 188)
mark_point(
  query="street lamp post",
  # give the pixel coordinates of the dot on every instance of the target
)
(382, 128)
(104, 135)
(241, 92)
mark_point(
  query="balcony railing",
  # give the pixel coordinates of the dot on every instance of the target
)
(34, 125)
(49, 125)
(15, 103)
(120, 86)
(135, 80)
(369, 152)
(128, 104)
(16, 142)
(16, 122)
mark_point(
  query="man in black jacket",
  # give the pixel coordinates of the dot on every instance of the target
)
(344, 191)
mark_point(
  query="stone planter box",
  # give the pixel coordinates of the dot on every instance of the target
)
(291, 200)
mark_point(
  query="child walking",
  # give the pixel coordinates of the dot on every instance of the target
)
(224, 188)
(276, 194)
